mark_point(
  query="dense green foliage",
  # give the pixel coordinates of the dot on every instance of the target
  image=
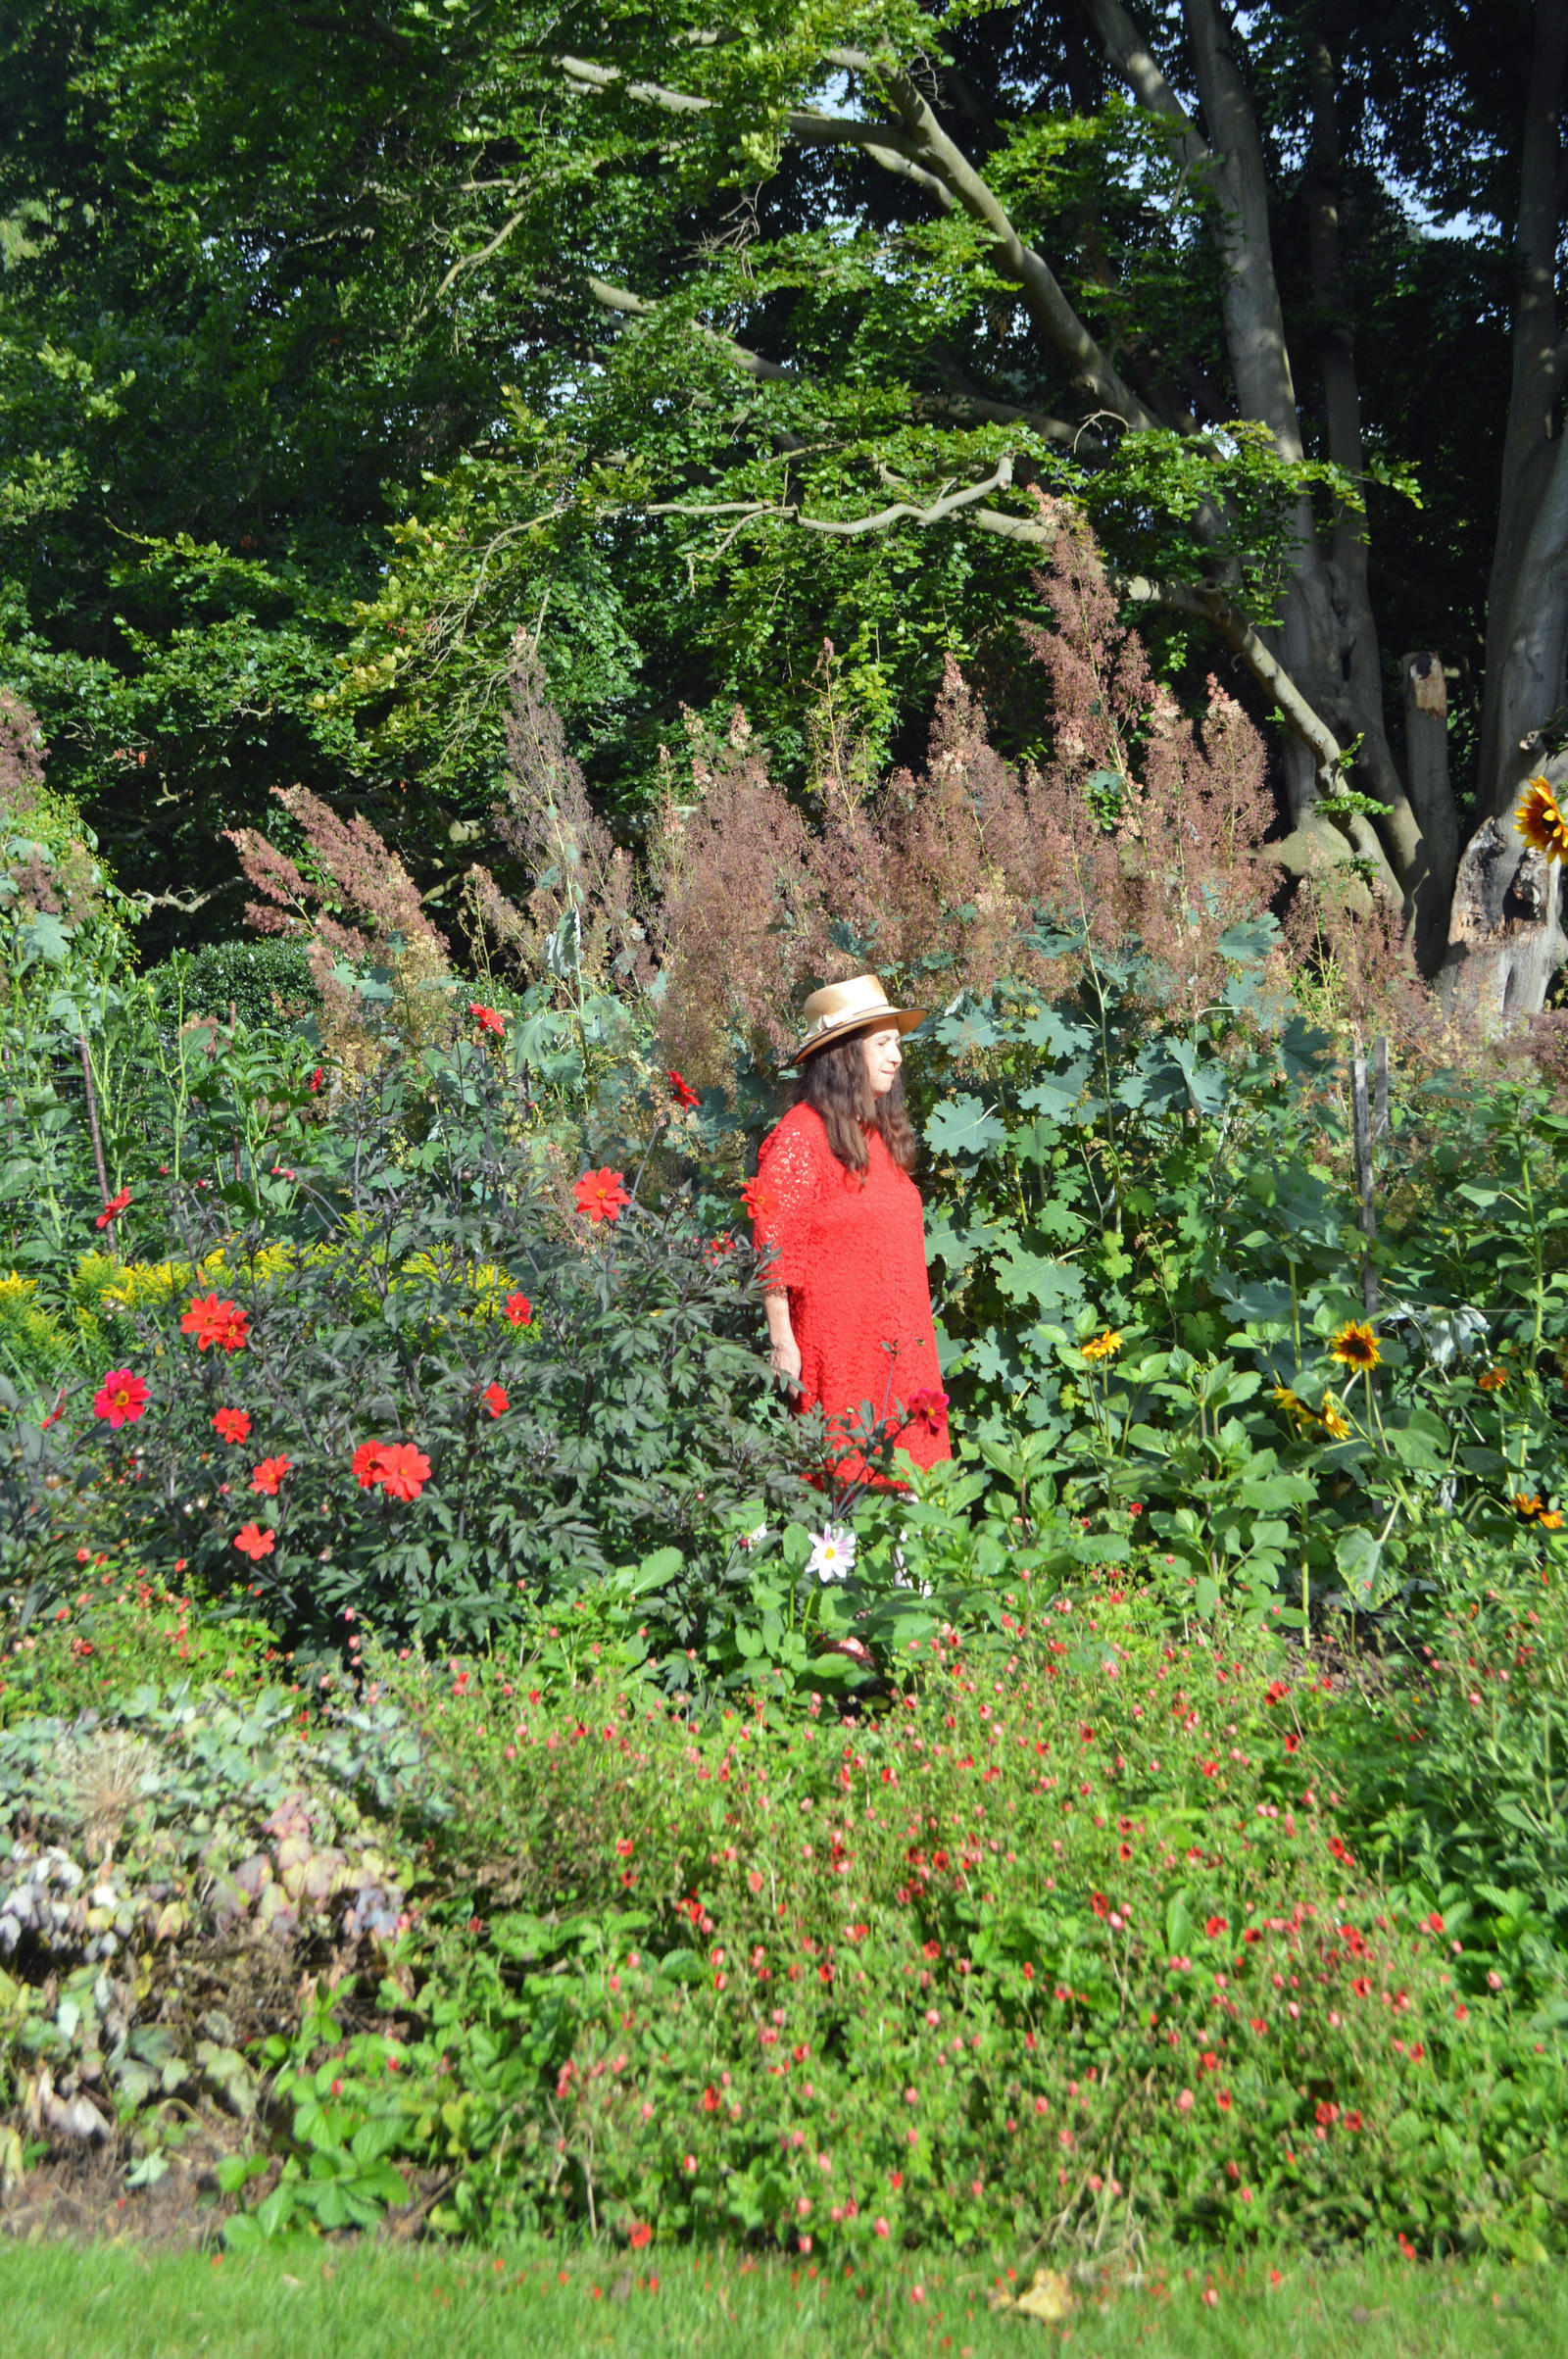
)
(334, 348)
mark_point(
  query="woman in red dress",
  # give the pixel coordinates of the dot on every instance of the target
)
(838, 1224)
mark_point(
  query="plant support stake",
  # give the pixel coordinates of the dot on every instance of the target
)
(92, 1118)
(1361, 1131)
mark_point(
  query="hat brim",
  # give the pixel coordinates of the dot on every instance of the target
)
(907, 1019)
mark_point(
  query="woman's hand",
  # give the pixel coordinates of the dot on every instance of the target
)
(784, 1352)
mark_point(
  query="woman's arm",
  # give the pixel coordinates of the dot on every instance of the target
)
(784, 1352)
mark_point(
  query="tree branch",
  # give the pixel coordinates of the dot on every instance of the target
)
(591, 76)
(903, 511)
(925, 152)
(1044, 298)
(471, 262)
(638, 306)
(1129, 54)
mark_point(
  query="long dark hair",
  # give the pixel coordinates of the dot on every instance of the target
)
(836, 1083)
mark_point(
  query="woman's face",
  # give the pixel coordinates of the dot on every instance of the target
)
(883, 1058)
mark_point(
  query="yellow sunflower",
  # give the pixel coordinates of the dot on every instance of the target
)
(1528, 1503)
(1357, 1347)
(1493, 1380)
(1103, 1346)
(1333, 1419)
(1539, 821)
(1292, 1404)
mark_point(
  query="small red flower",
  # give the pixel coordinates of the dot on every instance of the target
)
(266, 1477)
(928, 1409)
(489, 1019)
(316, 1081)
(518, 1309)
(113, 1210)
(1099, 1904)
(640, 2235)
(495, 1400)
(1215, 1927)
(1293, 1743)
(757, 1200)
(232, 1425)
(212, 1322)
(254, 1540)
(1276, 1691)
(683, 1092)
(603, 1194)
(711, 2099)
(402, 1471)
(366, 1464)
(121, 1399)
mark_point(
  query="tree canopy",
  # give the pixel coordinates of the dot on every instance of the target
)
(340, 343)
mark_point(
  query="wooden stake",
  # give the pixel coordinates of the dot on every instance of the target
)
(1380, 1086)
(1361, 1129)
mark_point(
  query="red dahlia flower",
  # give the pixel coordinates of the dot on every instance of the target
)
(254, 1540)
(232, 1425)
(366, 1464)
(518, 1309)
(113, 1210)
(402, 1470)
(603, 1194)
(121, 1399)
(211, 1322)
(495, 1400)
(489, 1019)
(927, 1409)
(684, 1093)
(266, 1477)
(757, 1200)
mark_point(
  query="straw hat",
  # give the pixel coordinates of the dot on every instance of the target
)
(858, 1006)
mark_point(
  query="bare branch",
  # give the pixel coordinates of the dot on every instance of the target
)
(904, 511)
(638, 306)
(471, 262)
(590, 76)
(1209, 605)
(849, 528)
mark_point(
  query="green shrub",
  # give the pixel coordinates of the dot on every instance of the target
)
(260, 984)
(566, 1396)
(1068, 1950)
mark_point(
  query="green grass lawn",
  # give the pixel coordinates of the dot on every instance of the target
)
(115, 2301)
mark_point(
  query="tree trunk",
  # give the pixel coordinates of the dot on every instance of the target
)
(1506, 937)
(1328, 638)
(1524, 669)
(1426, 740)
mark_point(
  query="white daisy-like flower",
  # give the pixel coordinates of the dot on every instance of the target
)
(832, 1556)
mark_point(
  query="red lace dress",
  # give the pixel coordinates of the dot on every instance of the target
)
(850, 1251)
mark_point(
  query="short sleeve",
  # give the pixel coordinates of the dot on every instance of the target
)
(782, 1200)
